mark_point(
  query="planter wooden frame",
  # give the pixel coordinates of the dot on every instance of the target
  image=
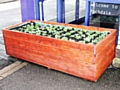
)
(82, 60)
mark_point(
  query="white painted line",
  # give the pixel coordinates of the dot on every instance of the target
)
(4, 70)
(13, 70)
(1, 78)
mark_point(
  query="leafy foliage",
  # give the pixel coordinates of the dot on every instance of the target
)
(61, 32)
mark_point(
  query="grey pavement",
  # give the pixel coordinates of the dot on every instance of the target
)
(36, 77)
(6, 1)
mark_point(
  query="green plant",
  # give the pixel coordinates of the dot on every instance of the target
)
(62, 32)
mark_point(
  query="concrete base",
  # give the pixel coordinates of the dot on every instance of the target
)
(116, 62)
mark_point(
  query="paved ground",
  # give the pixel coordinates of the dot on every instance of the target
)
(9, 14)
(36, 77)
(6, 1)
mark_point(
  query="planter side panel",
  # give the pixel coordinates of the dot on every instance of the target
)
(105, 52)
(82, 60)
(76, 60)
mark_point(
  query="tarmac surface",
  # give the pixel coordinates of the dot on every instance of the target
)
(36, 77)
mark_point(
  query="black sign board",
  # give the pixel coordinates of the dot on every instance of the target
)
(107, 8)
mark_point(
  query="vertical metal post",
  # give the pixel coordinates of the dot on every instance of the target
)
(117, 38)
(77, 11)
(42, 8)
(37, 9)
(63, 12)
(60, 10)
(27, 10)
(87, 14)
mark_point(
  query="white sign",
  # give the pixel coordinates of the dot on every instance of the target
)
(107, 9)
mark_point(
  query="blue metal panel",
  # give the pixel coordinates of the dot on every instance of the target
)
(39, 7)
(27, 9)
(60, 11)
(42, 9)
(87, 14)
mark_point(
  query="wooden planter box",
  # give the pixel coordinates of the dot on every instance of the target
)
(83, 60)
